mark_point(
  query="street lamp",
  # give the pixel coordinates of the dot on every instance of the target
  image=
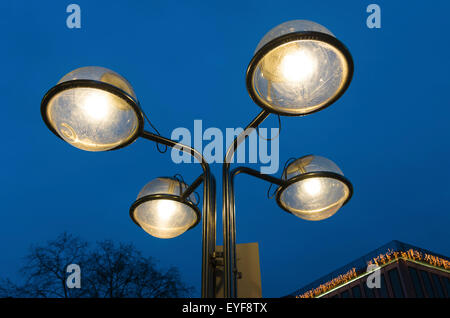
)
(164, 209)
(93, 109)
(313, 188)
(298, 68)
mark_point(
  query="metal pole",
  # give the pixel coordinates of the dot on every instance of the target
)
(228, 213)
(209, 211)
(257, 174)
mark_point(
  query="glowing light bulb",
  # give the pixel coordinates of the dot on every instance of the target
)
(166, 211)
(298, 65)
(312, 186)
(96, 105)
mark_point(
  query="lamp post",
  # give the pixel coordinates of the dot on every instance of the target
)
(298, 68)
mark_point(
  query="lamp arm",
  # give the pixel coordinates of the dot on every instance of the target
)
(256, 174)
(209, 210)
(228, 213)
(174, 144)
(192, 187)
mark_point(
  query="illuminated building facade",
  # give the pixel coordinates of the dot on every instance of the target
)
(403, 270)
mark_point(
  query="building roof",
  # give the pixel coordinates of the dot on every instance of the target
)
(361, 263)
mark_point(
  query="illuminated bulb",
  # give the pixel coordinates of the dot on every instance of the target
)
(96, 105)
(166, 211)
(290, 64)
(312, 186)
(298, 65)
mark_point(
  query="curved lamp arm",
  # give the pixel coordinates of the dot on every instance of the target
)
(228, 213)
(194, 185)
(256, 174)
(209, 210)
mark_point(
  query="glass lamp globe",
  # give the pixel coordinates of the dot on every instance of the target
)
(299, 67)
(161, 213)
(93, 109)
(315, 188)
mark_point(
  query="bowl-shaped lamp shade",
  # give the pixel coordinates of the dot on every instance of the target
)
(93, 109)
(160, 211)
(299, 67)
(315, 188)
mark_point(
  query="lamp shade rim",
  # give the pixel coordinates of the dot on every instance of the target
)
(315, 174)
(291, 37)
(161, 196)
(84, 83)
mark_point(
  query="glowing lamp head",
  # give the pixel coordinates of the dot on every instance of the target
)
(93, 109)
(160, 212)
(315, 188)
(299, 67)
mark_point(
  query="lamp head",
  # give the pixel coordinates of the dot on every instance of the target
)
(315, 188)
(94, 109)
(299, 67)
(160, 211)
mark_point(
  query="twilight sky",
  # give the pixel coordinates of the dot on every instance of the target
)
(389, 133)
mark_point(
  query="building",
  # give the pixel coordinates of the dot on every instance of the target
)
(405, 271)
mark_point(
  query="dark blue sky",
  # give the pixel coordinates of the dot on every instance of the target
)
(389, 133)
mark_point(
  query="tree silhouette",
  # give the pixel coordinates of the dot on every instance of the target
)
(107, 270)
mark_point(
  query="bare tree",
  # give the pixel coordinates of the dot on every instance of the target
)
(108, 270)
(45, 269)
(122, 271)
